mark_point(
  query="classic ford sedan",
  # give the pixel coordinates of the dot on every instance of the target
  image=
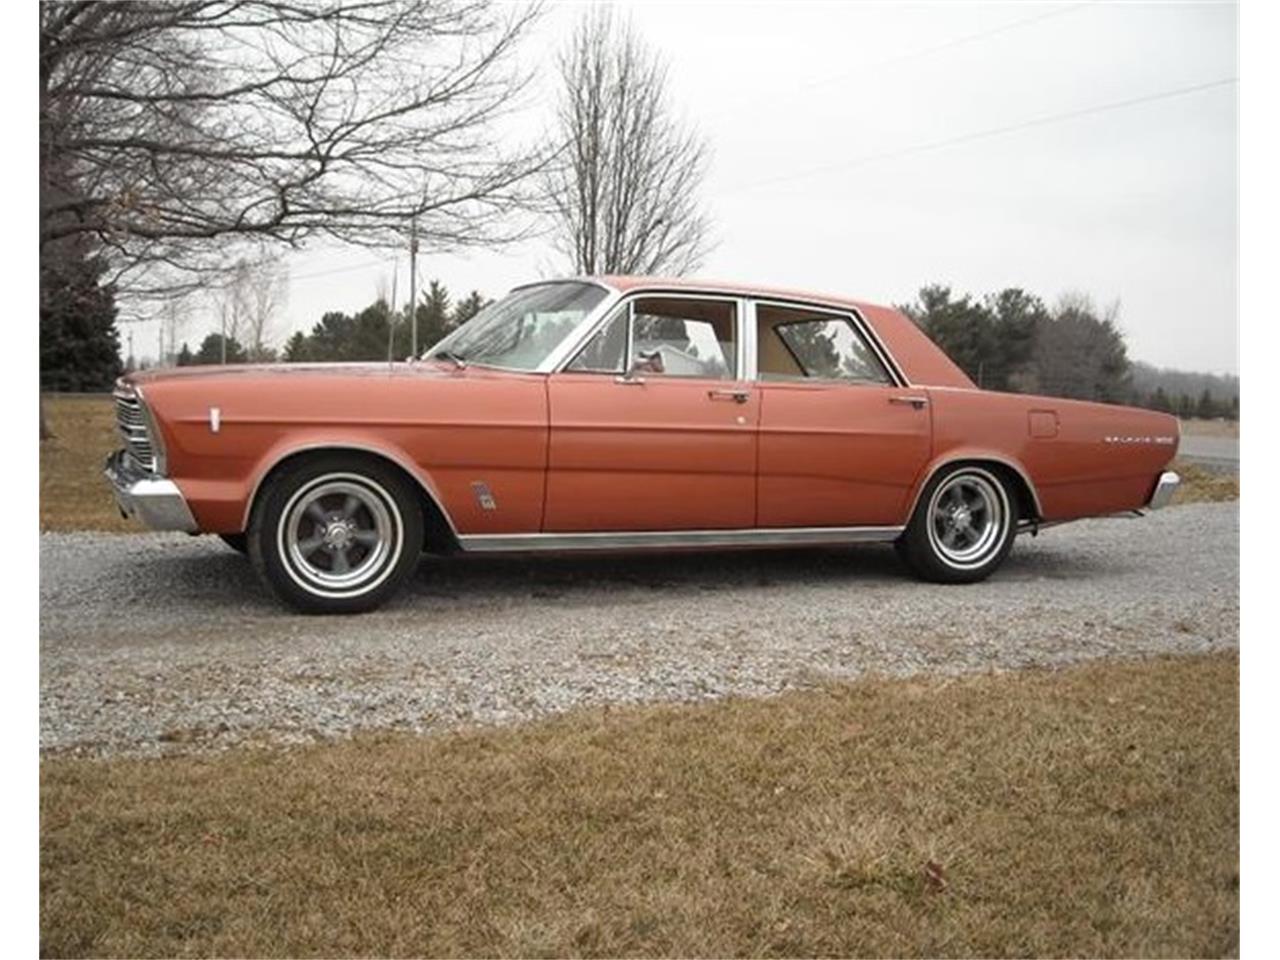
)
(623, 413)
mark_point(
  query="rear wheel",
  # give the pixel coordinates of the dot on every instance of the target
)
(336, 534)
(963, 526)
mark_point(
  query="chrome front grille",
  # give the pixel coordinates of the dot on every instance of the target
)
(131, 420)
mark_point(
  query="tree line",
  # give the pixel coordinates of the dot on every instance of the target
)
(1013, 341)
(374, 333)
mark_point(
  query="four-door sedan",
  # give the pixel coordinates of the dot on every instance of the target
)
(623, 413)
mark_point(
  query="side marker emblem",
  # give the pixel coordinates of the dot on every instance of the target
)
(215, 419)
(484, 496)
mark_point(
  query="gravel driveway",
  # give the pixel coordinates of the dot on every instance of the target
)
(160, 643)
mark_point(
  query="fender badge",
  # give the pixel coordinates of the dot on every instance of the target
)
(484, 496)
(1159, 440)
(215, 419)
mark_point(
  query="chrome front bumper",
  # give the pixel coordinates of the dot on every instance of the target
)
(154, 501)
(1164, 490)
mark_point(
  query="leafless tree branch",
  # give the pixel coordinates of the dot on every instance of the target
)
(623, 191)
(173, 132)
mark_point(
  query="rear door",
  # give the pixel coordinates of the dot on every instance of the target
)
(841, 443)
(653, 426)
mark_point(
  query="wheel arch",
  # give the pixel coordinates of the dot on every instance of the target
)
(440, 530)
(1012, 472)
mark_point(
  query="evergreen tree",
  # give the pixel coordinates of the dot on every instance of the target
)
(433, 315)
(964, 329)
(464, 310)
(1206, 409)
(329, 337)
(185, 357)
(1015, 316)
(79, 342)
(297, 349)
(210, 351)
(369, 334)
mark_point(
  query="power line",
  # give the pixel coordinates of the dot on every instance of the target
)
(946, 45)
(982, 134)
(329, 273)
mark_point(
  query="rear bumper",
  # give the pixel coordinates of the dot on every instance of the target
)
(154, 501)
(1163, 493)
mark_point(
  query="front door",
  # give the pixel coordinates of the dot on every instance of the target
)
(840, 443)
(652, 425)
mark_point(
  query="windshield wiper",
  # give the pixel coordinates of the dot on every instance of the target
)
(458, 359)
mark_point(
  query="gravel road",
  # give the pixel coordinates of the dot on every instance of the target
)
(161, 643)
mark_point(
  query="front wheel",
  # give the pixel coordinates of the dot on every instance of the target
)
(963, 526)
(336, 534)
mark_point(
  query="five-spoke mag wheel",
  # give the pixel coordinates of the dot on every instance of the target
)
(336, 533)
(963, 526)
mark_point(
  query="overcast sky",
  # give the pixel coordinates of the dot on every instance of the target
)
(834, 166)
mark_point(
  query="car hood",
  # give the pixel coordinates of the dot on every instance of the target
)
(238, 371)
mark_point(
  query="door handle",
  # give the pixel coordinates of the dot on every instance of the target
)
(737, 396)
(918, 403)
(629, 381)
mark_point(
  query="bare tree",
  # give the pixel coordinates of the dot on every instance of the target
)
(170, 130)
(268, 296)
(623, 192)
(173, 322)
(233, 297)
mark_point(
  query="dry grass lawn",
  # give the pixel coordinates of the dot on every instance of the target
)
(1090, 811)
(74, 496)
(1200, 485)
(73, 493)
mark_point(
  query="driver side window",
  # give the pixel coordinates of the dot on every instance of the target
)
(665, 336)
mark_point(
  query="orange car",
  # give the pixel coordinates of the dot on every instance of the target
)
(623, 413)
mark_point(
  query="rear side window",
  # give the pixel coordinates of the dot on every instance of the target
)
(799, 344)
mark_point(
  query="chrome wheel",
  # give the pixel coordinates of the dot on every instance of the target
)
(340, 535)
(967, 518)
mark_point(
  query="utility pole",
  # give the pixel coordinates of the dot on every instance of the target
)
(391, 326)
(222, 332)
(413, 283)
(160, 347)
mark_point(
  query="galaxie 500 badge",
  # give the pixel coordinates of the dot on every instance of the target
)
(1163, 440)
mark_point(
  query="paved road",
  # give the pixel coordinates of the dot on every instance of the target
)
(1219, 452)
(156, 643)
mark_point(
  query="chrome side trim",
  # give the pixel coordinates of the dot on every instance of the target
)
(155, 501)
(339, 446)
(1164, 490)
(979, 458)
(671, 539)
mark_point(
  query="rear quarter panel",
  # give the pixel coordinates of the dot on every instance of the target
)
(1083, 459)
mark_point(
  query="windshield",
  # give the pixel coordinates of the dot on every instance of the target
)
(520, 330)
